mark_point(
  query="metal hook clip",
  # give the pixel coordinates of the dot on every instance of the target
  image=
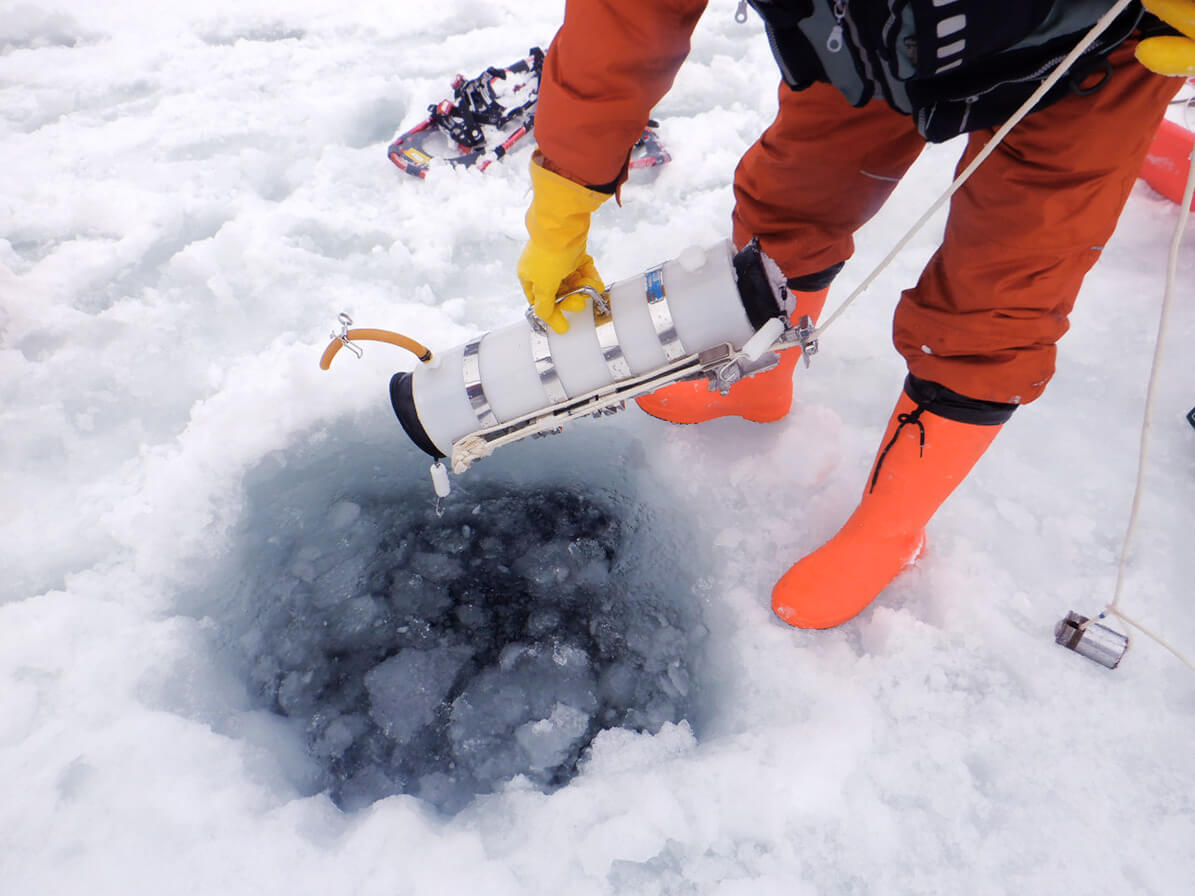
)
(806, 334)
(536, 322)
(601, 306)
(803, 334)
(343, 335)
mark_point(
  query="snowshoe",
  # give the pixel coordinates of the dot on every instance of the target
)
(486, 118)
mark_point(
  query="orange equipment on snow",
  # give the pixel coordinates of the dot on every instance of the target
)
(1167, 161)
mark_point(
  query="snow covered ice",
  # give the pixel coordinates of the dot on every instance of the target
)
(203, 683)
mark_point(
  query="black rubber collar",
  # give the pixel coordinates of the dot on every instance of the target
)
(402, 399)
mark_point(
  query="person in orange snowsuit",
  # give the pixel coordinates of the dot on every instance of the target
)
(978, 330)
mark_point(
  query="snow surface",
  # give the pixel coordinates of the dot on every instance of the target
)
(230, 618)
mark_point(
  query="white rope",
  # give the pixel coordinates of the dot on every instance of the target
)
(1184, 214)
(1141, 628)
(1063, 67)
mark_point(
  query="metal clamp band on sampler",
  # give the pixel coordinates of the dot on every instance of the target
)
(607, 337)
(545, 367)
(661, 316)
(471, 371)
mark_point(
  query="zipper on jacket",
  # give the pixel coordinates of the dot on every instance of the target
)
(834, 41)
(962, 125)
(1038, 74)
(740, 14)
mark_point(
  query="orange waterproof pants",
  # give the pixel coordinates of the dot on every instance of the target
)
(985, 316)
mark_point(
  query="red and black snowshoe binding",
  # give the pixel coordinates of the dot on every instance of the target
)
(486, 118)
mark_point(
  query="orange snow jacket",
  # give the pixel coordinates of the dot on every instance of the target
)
(992, 302)
(609, 65)
(952, 67)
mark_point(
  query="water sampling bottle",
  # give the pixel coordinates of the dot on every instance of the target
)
(711, 313)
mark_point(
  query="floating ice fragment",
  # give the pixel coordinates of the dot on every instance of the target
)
(570, 655)
(437, 567)
(341, 580)
(413, 595)
(675, 681)
(543, 620)
(406, 689)
(298, 690)
(493, 701)
(361, 621)
(510, 655)
(471, 616)
(549, 741)
(343, 513)
(617, 684)
(338, 736)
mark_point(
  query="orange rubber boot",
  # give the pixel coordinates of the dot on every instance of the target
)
(922, 458)
(763, 398)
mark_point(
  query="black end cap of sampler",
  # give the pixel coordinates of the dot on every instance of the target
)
(755, 291)
(402, 399)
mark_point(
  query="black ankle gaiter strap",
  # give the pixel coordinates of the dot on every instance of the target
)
(902, 420)
(942, 402)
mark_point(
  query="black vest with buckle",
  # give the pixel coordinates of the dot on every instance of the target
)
(953, 65)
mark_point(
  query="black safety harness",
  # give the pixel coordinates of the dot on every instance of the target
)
(953, 65)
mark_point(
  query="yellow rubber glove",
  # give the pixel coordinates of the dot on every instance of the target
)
(555, 261)
(1171, 55)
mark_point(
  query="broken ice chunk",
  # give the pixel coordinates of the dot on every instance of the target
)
(549, 741)
(406, 689)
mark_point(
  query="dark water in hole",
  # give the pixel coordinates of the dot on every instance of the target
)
(442, 652)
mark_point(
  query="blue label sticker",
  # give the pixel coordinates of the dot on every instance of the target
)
(655, 285)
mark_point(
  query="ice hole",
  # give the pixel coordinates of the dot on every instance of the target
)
(445, 649)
